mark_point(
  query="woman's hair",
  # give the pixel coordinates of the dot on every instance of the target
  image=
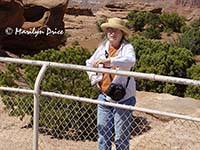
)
(104, 40)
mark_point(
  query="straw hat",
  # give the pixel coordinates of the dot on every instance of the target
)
(116, 23)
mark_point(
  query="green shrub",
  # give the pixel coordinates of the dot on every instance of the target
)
(172, 21)
(152, 33)
(168, 31)
(165, 21)
(185, 28)
(137, 20)
(6, 79)
(193, 73)
(190, 39)
(57, 116)
(161, 58)
(196, 23)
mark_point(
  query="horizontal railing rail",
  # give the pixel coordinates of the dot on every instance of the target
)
(81, 99)
(148, 76)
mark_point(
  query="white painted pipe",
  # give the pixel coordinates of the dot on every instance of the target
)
(36, 105)
(148, 76)
(16, 90)
(81, 99)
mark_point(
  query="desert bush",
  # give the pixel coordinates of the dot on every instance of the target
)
(161, 58)
(57, 116)
(196, 23)
(172, 21)
(137, 20)
(161, 22)
(193, 73)
(6, 79)
(185, 28)
(152, 33)
(190, 39)
(151, 24)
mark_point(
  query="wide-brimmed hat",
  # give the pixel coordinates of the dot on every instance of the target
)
(116, 23)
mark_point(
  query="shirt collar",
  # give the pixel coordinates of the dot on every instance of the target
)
(122, 45)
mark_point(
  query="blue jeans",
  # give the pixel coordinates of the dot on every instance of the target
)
(119, 120)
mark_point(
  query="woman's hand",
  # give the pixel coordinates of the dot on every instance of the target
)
(98, 86)
(105, 62)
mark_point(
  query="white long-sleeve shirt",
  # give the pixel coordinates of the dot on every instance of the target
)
(124, 60)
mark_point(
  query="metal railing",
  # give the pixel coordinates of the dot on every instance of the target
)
(45, 65)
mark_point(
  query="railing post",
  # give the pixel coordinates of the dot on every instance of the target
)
(36, 106)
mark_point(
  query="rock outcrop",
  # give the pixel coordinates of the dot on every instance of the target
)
(79, 11)
(190, 3)
(31, 24)
(119, 9)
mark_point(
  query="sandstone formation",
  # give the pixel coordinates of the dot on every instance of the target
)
(121, 9)
(76, 22)
(191, 3)
(41, 14)
(187, 8)
(79, 11)
(31, 24)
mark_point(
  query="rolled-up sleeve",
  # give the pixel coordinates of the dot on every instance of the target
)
(90, 61)
(125, 59)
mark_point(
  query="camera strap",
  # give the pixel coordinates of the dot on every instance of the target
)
(128, 78)
(127, 82)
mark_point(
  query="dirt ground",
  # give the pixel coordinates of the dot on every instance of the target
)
(82, 29)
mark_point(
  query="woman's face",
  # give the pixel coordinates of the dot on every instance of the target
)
(114, 35)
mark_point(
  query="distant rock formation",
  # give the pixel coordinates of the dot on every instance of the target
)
(31, 24)
(191, 3)
(133, 6)
(79, 11)
(119, 9)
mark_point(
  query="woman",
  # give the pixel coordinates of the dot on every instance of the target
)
(114, 53)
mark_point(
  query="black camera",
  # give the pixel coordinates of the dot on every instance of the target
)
(116, 91)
